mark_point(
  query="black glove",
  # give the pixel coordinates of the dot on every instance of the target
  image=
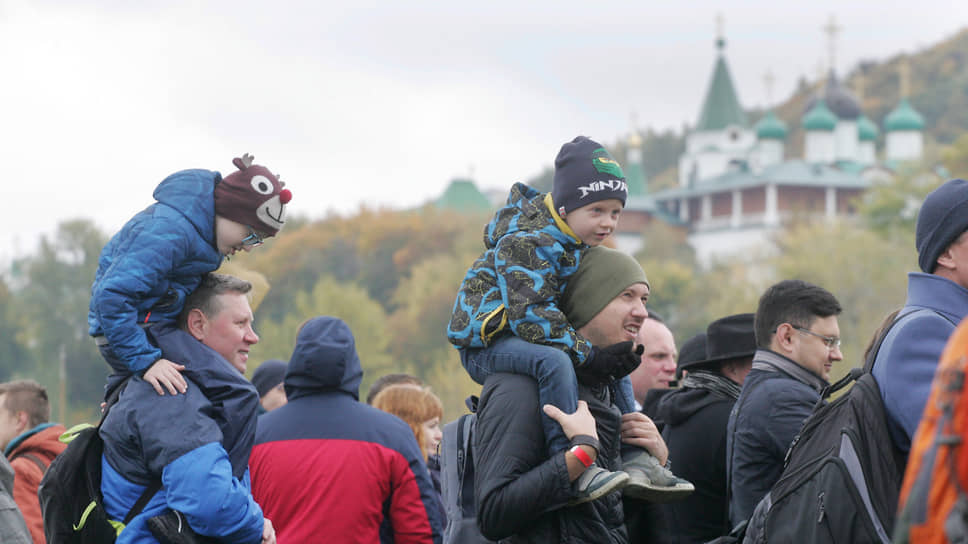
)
(605, 365)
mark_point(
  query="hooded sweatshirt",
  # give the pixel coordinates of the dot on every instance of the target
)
(326, 465)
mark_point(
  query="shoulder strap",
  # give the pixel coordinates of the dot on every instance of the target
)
(155, 484)
(37, 460)
(872, 356)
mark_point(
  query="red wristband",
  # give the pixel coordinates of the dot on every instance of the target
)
(583, 457)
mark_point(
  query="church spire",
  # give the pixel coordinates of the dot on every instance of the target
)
(721, 106)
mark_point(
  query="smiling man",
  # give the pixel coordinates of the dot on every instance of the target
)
(526, 495)
(202, 461)
(798, 341)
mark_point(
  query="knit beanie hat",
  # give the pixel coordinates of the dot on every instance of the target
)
(586, 173)
(269, 374)
(602, 274)
(253, 196)
(942, 218)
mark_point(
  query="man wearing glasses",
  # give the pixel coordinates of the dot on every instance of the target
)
(797, 340)
(937, 300)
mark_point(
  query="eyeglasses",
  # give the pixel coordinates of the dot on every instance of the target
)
(832, 342)
(253, 239)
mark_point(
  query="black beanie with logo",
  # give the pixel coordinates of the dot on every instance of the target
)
(584, 173)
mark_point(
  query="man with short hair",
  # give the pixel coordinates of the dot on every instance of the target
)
(798, 340)
(197, 443)
(30, 442)
(327, 467)
(695, 418)
(521, 493)
(937, 300)
(657, 373)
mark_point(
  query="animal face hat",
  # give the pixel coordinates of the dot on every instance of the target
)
(253, 196)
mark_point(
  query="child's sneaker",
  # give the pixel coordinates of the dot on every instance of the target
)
(595, 483)
(650, 481)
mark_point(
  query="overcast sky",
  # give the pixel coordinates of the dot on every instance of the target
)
(376, 103)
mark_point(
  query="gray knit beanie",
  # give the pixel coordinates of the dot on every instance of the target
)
(602, 274)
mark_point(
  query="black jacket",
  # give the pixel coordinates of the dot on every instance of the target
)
(519, 491)
(695, 432)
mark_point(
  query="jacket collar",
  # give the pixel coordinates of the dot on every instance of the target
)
(940, 294)
(771, 361)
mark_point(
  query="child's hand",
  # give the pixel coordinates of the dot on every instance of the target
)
(168, 374)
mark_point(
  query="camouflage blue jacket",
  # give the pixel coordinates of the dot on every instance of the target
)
(513, 287)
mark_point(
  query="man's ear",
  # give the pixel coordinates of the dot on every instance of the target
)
(23, 421)
(782, 341)
(946, 260)
(196, 323)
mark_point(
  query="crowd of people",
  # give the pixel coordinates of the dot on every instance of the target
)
(591, 426)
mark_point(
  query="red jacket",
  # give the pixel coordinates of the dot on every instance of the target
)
(44, 445)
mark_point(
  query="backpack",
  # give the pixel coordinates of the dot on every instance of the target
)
(457, 479)
(70, 492)
(934, 496)
(842, 473)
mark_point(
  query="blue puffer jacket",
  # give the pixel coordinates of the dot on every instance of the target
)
(154, 262)
(183, 440)
(513, 287)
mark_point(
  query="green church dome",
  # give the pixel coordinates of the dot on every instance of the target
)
(904, 117)
(819, 118)
(866, 129)
(770, 127)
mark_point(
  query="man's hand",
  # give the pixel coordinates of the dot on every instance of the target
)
(268, 532)
(605, 365)
(581, 422)
(638, 430)
(168, 374)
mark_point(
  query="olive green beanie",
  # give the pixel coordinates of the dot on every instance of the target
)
(602, 274)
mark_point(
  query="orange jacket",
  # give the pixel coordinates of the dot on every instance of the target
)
(27, 475)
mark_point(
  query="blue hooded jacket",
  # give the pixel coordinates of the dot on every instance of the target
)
(157, 259)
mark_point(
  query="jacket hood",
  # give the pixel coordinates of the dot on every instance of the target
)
(42, 438)
(526, 209)
(324, 359)
(681, 404)
(191, 193)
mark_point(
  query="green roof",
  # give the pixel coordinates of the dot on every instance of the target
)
(904, 117)
(770, 127)
(819, 118)
(635, 179)
(463, 196)
(721, 107)
(866, 129)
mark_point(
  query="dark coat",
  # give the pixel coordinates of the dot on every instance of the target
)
(768, 415)
(519, 491)
(695, 432)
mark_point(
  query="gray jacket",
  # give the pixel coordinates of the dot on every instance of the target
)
(13, 528)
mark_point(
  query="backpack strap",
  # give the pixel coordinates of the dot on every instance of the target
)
(37, 460)
(465, 465)
(872, 355)
(155, 484)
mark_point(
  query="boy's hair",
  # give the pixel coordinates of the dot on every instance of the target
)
(26, 396)
(586, 173)
(414, 404)
(387, 380)
(204, 296)
(795, 302)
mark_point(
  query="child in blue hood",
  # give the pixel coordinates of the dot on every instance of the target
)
(159, 257)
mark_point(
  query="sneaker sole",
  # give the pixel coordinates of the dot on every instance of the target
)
(658, 494)
(618, 481)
